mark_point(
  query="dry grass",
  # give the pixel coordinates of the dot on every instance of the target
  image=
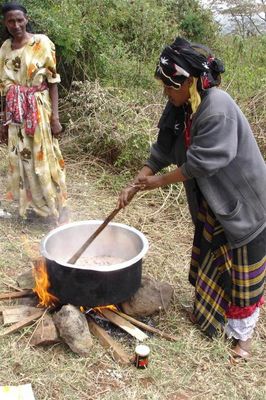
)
(192, 368)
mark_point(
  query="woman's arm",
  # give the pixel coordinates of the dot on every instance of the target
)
(56, 127)
(153, 182)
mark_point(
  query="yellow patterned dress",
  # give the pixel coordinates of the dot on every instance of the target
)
(36, 172)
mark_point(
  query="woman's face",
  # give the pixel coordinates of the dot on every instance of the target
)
(15, 22)
(179, 96)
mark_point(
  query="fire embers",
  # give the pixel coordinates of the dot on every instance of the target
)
(42, 285)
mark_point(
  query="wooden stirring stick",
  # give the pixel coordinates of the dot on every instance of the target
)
(78, 253)
(76, 256)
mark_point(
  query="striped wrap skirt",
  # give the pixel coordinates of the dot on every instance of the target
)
(226, 280)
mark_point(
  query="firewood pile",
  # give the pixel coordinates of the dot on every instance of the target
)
(76, 326)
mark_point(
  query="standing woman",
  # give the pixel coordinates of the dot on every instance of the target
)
(28, 78)
(203, 132)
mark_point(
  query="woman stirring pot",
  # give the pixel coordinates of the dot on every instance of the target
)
(203, 132)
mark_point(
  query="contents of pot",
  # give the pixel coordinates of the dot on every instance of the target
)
(93, 261)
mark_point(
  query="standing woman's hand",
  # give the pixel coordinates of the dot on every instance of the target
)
(56, 127)
(3, 134)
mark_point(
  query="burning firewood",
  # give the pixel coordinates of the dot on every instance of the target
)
(123, 324)
(108, 342)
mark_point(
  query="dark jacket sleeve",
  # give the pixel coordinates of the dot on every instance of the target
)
(164, 150)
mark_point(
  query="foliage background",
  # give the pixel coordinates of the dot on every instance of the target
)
(107, 51)
(110, 105)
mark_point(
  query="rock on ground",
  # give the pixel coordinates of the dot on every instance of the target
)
(25, 280)
(73, 328)
(151, 297)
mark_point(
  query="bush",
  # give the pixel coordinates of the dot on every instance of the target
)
(106, 124)
(115, 41)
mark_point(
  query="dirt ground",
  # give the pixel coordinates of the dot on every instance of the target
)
(194, 367)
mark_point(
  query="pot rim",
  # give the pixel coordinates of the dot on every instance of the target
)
(107, 268)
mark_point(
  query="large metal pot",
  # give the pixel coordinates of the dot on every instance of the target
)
(97, 285)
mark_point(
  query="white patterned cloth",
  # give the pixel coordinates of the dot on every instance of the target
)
(242, 329)
(22, 392)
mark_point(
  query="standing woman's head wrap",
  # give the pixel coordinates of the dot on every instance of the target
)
(13, 6)
(182, 60)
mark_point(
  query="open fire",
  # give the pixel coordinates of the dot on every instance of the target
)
(72, 323)
(46, 299)
(42, 285)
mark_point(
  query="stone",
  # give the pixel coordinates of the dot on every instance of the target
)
(73, 327)
(25, 280)
(151, 297)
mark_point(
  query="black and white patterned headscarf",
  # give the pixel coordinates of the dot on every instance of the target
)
(182, 59)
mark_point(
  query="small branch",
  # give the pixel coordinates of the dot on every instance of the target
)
(15, 295)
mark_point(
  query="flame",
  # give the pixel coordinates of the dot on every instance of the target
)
(42, 285)
(111, 307)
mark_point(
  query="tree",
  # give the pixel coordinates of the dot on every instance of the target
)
(195, 21)
(247, 17)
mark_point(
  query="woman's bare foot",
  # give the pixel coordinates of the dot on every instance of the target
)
(241, 351)
(64, 217)
(192, 317)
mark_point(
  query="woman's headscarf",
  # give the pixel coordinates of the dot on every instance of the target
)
(183, 59)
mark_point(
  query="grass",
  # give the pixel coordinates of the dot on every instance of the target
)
(194, 367)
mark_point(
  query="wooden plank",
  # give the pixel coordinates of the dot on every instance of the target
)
(123, 324)
(15, 295)
(18, 313)
(45, 333)
(146, 327)
(3, 308)
(22, 324)
(118, 353)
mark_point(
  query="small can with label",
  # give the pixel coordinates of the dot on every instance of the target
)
(142, 356)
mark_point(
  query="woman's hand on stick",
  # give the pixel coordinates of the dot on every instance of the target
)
(126, 195)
